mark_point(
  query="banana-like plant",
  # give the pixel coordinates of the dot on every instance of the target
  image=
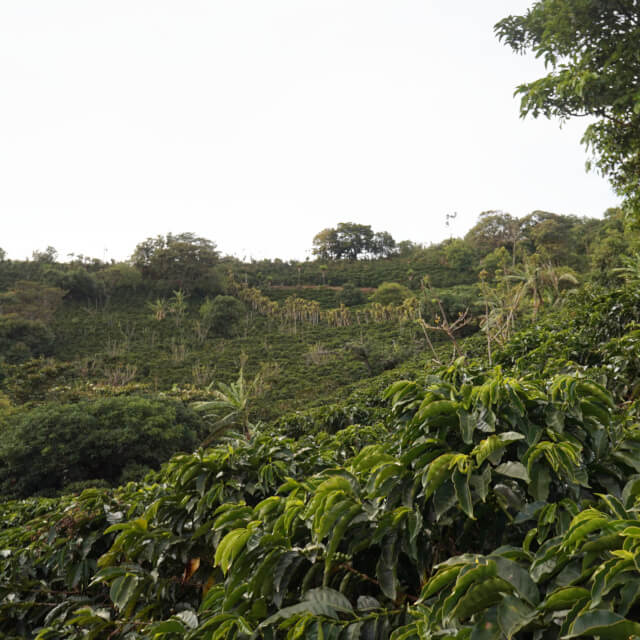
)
(231, 404)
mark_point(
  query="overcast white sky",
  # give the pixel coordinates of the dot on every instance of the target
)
(257, 123)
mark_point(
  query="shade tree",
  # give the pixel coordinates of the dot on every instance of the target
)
(350, 241)
(182, 261)
(589, 48)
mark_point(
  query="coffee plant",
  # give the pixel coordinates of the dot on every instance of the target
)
(487, 506)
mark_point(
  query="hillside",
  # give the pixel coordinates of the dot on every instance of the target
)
(377, 463)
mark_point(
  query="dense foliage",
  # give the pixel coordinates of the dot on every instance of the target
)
(52, 446)
(481, 502)
(440, 443)
(385, 455)
(350, 241)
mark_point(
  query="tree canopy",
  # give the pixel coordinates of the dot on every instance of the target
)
(590, 48)
(181, 261)
(350, 241)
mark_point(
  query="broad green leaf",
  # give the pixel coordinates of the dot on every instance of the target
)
(488, 448)
(123, 589)
(480, 482)
(540, 479)
(487, 628)
(606, 624)
(437, 472)
(514, 470)
(386, 568)
(518, 578)
(312, 607)
(479, 597)
(564, 598)
(444, 499)
(329, 597)
(629, 595)
(439, 581)
(514, 615)
(168, 626)
(476, 573)
(463, 494)
(230, 546)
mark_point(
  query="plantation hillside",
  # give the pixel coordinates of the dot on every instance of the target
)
(416, 461)
(389, 441)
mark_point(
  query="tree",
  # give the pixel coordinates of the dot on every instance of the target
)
(459, 255)
(383, 245)
(406, 247)
(48, 256)
(350, 241)
(119, 278)
(183, 261)
(350, 295)
(78, 283)
(493, 230)
(21, 339)
(590, 47)
(551, 234)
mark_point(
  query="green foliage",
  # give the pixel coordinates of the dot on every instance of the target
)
(223, 314)
(78, 283)
(495, 230)
(466, 502)
(22, 339)
(231, 405)
(120, 279)
(391, 293)
(183, 261)
(479, 503)
(589, 47)
(46, 448)
(351, 241)
(32, 301)
(350, 295)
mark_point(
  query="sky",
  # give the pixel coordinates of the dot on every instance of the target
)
(258, 123)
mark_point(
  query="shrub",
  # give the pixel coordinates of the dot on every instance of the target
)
(50, 447)
(223, 314)
(391, 293)
(21, 339)
(351, 295)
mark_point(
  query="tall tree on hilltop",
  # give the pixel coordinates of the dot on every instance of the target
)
(350, 241)
(182, 261)
(493, 230)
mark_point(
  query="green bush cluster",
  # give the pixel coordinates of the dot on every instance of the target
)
(49, 448)
(22, 339)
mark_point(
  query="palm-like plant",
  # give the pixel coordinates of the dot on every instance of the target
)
(630, 269)
(230, 407)
(539, 280)
(231, 404)
(159, 308)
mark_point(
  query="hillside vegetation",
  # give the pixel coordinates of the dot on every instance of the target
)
(390, 441)
(416, 461)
